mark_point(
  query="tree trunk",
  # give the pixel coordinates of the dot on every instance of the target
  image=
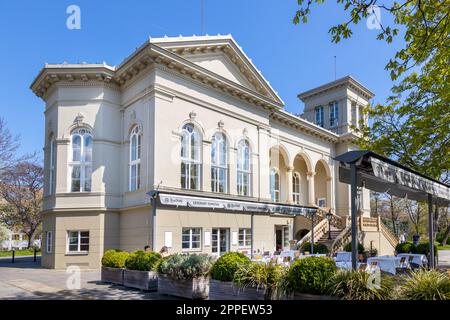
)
(446, 234)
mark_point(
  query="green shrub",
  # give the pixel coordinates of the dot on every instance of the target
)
(405, 247)
(318, 247)
(353, 285)
(142, 261)
(425, 285)
(226, 266)
(261, 276)
(424, 248)
(183, 266)
(114, 259)
(440, 238)
(348, 247)
(309, 275)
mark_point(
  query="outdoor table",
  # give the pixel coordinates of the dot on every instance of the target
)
(312, 255)
(419, 259)
(288, 253)
(343, 256)
(386, 263)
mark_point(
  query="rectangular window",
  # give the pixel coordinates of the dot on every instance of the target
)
(321, 202)
(78, 241)
(319, 116)
(191, 239)
(15, 237)
(218, 179)
(334, 114)
(245, 237)
(48, 242)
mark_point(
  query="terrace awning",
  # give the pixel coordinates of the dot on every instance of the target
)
(381, 174)
(367, 169)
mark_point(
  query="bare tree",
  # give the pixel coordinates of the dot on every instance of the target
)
(21, 188)
(414, 212)
(8, 146)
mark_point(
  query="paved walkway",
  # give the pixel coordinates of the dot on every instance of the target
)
(444, 259)
(25, 279)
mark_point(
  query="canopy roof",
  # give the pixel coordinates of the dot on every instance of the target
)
(381, 174)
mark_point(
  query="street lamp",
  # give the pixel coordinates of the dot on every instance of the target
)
(397, 224)
(329, 215)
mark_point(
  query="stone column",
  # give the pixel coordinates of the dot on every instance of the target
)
(289, 171)
(311, 192)
(329, 192)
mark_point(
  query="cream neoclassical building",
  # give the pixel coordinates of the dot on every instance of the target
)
(185, 144)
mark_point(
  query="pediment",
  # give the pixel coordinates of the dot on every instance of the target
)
(220, 64)
(221, 55)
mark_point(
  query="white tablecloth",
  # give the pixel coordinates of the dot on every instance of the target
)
(312, 255)
(343, 256)
(386, 263)
(419, 259)
(288, 253)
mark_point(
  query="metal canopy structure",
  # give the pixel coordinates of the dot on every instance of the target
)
(367, 169)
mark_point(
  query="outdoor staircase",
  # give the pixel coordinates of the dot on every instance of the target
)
(334, 232)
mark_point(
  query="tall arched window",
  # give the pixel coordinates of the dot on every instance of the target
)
(275, 185)
(296, 187)
(81, 160)
(243, 168)
(135, 159)
(190, 157)
(52, 165)
(219, 164)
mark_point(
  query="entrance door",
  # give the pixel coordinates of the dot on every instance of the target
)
(220, 241)
(281, 238)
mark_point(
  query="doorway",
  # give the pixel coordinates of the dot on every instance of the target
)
(220, 239)
(281, 238)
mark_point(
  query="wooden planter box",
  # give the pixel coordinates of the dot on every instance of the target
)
(197, 288)
(144, 280)
(308, 296)
(225, 290)
(112, 275)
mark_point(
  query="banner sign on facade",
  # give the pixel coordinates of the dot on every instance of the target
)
(229, 205)
(393, 174)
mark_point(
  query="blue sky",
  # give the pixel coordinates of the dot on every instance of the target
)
(293, 58)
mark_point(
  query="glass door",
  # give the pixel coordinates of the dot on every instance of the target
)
(220, 241)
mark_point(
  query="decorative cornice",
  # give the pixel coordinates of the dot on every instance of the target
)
(301, 124)
(348, 81)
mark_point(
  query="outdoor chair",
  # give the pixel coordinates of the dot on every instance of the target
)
(373, 266)
(404, 265)
(267, 253)
(362, 267)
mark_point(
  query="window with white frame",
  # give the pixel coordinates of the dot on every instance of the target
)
(275, 185)
(319, 116)
(135, 159)
(77, 241)
(245, 237)
(48, 242)
(321, 202)
(334, 114)
(296, 188)
(190, 157)
(80, 163)
(243, 168)
(219, 164)
(52, 166)
(191, 238)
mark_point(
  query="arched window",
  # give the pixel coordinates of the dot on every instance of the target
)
(80, 163)
(135, 159)
(296, 188)
(52, 165)
(190, 157)
(243, 168)
(219, 164)
(275, 185)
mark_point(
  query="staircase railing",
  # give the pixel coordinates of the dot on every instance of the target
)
(341, 239)
(319, 230)
(389, 235)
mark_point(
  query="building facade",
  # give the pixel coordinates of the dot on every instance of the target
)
(185, 144)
